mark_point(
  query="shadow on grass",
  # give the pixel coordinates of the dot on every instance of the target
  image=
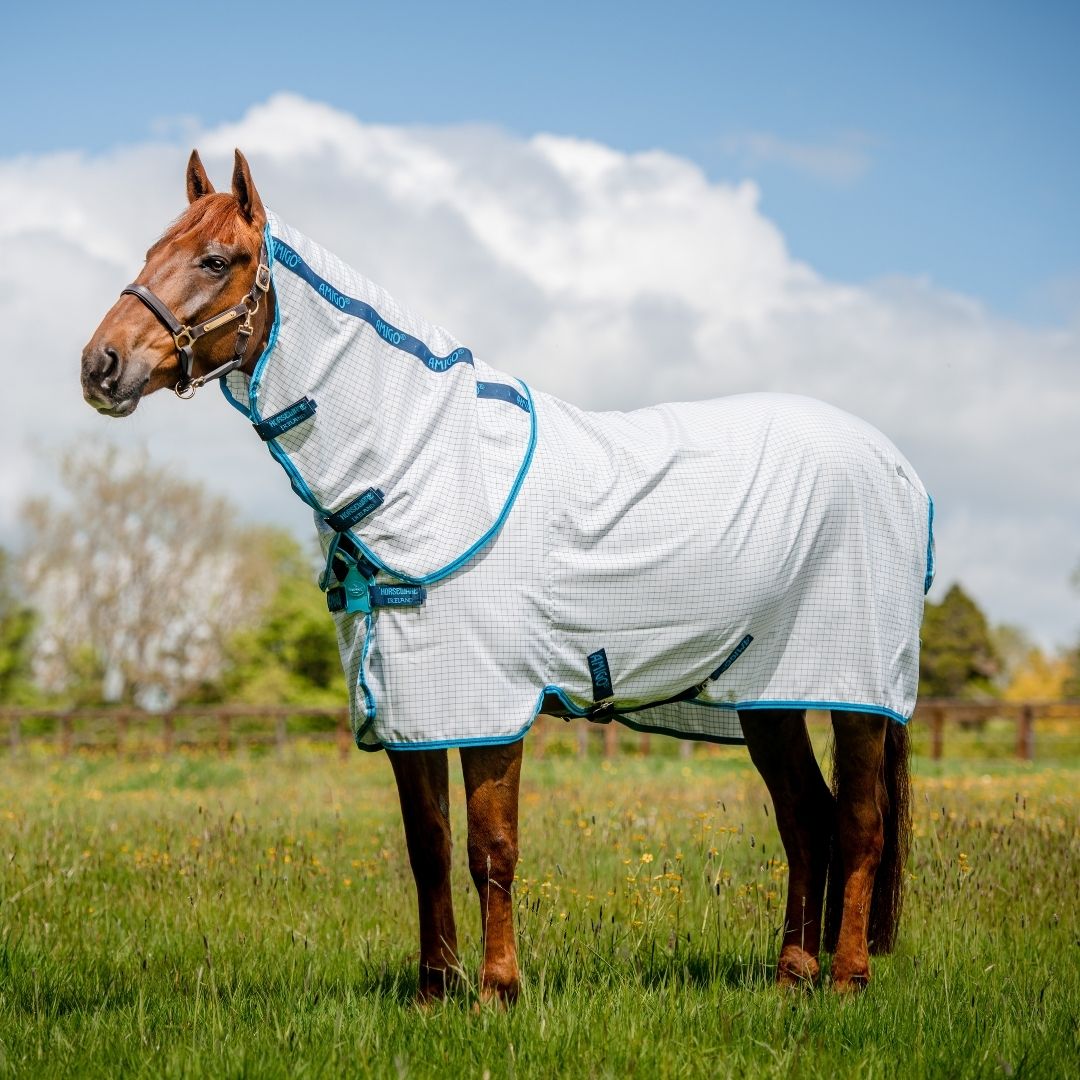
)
(696, 970)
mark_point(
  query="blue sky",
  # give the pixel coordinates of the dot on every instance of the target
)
(880, 211)
(930, 140)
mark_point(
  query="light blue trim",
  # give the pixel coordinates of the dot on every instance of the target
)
(271, 339)
(260, 364)
(626, 719)
(299, 485)
(452, 744)
(331, 551)
(558, 692)
(370, 706)
(930, 567)
(483, 541)
(232, 401)
(295, 479)
(839, 706)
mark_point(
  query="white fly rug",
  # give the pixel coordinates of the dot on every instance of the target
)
(493, 553)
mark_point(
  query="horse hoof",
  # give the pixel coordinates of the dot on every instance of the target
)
(796, 968)
(435, 985)
(501, 994)
(501, 997)
(499, 983)
(428, 997)
(851, 984)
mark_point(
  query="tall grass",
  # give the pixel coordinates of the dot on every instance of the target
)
(254, 916)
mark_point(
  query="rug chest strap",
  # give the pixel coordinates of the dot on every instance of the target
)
(357, 590)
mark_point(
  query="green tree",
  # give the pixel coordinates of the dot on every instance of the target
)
(959, 658)
(138, 577)
(289, 655)
(16, 628)
(1071, 687)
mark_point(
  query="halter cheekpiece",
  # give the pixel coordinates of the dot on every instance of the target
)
(184, 337)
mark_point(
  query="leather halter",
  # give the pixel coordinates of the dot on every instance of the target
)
(184, 337)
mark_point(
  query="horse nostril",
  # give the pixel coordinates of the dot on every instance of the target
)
(112, 363)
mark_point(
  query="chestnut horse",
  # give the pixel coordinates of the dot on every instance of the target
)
(202, 306)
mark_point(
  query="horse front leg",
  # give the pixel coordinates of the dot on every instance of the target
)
(861, 802)
(492, 776)
(424, 790)
(780, 749)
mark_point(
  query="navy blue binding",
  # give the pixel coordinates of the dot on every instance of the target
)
(291, 260)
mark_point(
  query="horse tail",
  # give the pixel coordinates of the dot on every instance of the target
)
(888, 896)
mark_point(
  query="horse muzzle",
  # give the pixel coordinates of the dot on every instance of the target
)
(110, 385)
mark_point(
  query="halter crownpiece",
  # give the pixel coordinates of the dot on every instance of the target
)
(184, 337)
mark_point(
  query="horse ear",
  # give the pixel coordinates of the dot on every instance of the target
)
(244, 189)
(198, 183)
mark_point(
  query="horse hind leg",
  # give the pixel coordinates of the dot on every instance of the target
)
(780, 748)
(870, 781)
(424, 791)
(492, 777)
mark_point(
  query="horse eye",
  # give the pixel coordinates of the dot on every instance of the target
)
(215, 264)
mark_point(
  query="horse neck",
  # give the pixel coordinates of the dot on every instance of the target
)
(395, 395)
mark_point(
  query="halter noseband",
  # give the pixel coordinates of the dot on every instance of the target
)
(184, 337)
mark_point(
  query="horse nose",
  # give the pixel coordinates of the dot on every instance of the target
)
(102, 366)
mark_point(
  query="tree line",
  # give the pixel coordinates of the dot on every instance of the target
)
(137, 587)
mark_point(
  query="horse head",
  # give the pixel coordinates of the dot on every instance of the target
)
(195, 306)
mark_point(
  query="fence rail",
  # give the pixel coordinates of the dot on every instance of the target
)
(227, 727)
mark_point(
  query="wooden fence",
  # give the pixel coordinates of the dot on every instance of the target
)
(227, 727)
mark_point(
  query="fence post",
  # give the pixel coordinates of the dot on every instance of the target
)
(344, 735)
(123, 722)
(15, 734)
(168, 732)
(65, 733)
(224, 737)
(611, 740)
(280, 732)
(583, 738)
(686, 748)
(937, 732)
(1025, 733)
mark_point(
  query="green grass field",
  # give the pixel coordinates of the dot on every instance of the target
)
(255, 916)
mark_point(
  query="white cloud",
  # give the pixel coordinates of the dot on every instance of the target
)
(839, 161)
(613, 280)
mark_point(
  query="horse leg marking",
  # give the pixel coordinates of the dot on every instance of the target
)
(492, 777)
(423, 789)
(780, 750)
(860, 805)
